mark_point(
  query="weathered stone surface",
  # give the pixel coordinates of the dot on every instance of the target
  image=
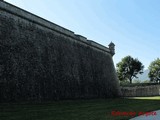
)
(150, 90)
(40, 63)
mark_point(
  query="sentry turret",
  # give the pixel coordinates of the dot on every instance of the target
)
(112, 48)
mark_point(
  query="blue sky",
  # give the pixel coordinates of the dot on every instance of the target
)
(133, 25)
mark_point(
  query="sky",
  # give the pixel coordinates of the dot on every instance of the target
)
(132, 25)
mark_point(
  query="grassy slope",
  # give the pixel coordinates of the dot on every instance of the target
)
(77, 110)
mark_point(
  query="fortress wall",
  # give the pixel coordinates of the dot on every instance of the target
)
(44, 23)
(42, 61)
(150, 90)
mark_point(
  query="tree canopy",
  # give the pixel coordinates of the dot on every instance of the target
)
(128, 68)
(154, 71)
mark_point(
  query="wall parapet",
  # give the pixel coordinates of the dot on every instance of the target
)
(50, 25)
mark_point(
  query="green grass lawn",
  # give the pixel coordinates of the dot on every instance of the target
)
(147, 98)
(99, 109)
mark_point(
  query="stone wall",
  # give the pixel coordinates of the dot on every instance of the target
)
(42, 61)
(150, 90)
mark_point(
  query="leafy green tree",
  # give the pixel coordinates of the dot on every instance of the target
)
(128, 68)
(137, 81)
(124, 82)
(146, 81)
(154, 71)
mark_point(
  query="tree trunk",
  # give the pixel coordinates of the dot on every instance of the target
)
(130, 80)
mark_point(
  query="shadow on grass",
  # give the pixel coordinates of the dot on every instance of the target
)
(96, 109)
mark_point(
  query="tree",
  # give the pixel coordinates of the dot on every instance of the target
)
(128, 68)
(146, 81)
(137, 81)
(154, 71)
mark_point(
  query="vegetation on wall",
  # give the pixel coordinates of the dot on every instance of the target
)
(40, 64)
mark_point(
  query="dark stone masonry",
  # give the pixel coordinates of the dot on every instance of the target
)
(41, 61)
